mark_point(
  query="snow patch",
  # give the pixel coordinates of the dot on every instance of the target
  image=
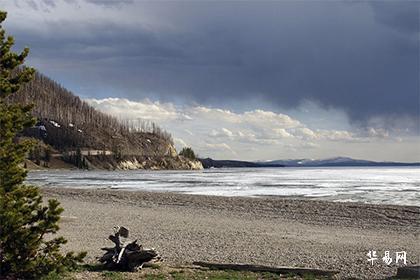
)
(55, 124)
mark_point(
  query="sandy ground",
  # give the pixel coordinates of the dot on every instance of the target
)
(269, 231)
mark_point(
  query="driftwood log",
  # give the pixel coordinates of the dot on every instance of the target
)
(126, 255)
(262, 268)
(408, 272)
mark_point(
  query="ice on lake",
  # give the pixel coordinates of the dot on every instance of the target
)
(381, 185)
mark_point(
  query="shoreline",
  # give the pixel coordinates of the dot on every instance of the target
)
(274, 231)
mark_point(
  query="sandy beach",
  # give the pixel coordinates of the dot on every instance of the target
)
(269, 231)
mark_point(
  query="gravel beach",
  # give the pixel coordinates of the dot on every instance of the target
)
(269, 231)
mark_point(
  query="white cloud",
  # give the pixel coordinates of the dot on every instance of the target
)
(179, 143)
(227, 132)
(221, 147)
(146, 110)
(337, 135)
(304, 133)
(282, 133)
(255, 134)
(189, 132)
(224, 132)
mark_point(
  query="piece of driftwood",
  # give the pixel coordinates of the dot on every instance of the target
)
(262, 268)
(126, 255)
(410, 272)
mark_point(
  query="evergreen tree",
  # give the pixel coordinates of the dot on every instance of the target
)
(47, 156)
(24, 219)
(78, 158)
(36, 153)
(188, 153)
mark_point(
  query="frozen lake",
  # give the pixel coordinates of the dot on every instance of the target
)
(383, 185)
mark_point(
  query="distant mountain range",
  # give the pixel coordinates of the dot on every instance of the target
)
(331, 162)
(337, 161)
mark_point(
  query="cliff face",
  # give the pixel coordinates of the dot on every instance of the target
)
(160, 163)
(141, 162)
(69, 126)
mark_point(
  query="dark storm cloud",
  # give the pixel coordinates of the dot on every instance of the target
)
(360, 57)
(33, 4)
(402, 16)
(110, 2)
